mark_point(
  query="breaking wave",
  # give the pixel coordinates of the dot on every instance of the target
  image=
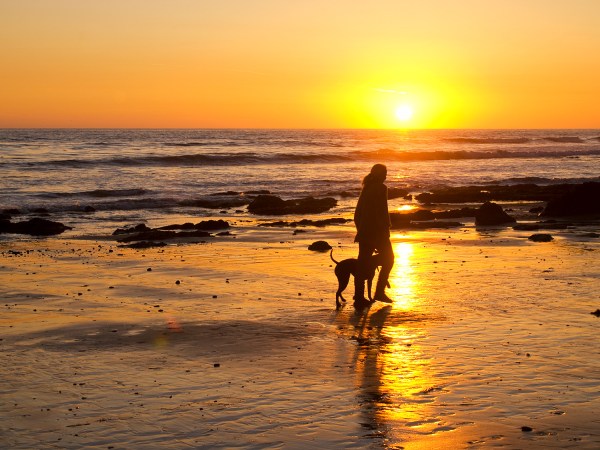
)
(253, 158)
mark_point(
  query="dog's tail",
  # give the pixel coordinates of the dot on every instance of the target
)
(331, 256)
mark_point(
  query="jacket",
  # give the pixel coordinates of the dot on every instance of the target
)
(371, 217)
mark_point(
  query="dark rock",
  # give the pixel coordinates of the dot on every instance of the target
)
(319, 246)
(5, 225)
(396, 193)
(34, 227)
(89, 209)
(536, 210)
(183, 226)
(541, 226)
(321, 223)
(419, 220)
(583, 200)
(421, 214)
(160, 235)
(475, 194)
(596, 313)
(455, 213)
(526, 429)
(4, 216)
(143, 233)
(279, 223)
(40, 211)
(307, 223)
(209, 225)
(273, 205)
(400, 219)
(540, 237)
(492, 214)
(11, 211)
(128, 230)
(267, 204)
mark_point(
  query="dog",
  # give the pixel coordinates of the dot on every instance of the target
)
(345, 268)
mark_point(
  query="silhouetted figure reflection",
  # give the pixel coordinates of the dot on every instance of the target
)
(375, 393)
(372, 221)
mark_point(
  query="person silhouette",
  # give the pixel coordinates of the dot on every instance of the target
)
(372, 221)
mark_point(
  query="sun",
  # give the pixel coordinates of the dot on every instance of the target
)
(404, 113)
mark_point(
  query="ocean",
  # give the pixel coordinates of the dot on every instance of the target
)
(235, 341)
(128, 175)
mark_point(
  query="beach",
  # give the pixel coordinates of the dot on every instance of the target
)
(235, 342)
(185, 186)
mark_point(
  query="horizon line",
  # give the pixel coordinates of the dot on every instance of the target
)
(297, 128)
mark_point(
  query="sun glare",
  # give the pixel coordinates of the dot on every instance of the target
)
(404, 113)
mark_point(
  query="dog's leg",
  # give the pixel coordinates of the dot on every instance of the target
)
(343, 279)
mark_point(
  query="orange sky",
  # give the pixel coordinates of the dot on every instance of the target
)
(300, 64)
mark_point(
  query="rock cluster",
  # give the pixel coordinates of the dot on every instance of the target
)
(141, 232)
(307, 223)
(583, 200)
(272, 205)
(33, 227)
(477, 194)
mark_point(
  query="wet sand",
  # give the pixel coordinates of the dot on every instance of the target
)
(236, 343)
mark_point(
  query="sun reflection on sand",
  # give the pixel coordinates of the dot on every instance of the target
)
(393, 374)
(398, 389)
(404, 284)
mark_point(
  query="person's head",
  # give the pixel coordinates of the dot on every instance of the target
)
(377, 175)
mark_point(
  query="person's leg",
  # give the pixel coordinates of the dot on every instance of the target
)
(387, 254)
(365, 251)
